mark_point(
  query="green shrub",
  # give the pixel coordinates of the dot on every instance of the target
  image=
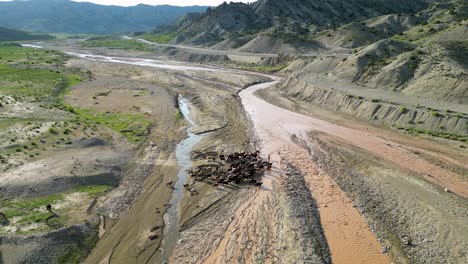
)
(53, 131)
(179, 115)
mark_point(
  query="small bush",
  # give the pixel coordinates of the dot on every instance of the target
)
(179, 115)
(53, 131)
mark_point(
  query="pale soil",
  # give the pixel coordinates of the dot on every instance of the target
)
(349, 237)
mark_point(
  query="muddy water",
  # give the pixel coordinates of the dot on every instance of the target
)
(280, 124)
(183, 150)
(347, 234)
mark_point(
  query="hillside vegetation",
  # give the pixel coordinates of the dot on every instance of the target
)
(64, 16)
(7, 34)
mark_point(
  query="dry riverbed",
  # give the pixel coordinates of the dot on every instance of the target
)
(340, 191)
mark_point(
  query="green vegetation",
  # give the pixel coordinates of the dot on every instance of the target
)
(7, 34)
(76, 255)
(27, 211)
(29, 84)
(446, 135)
(158, 38)
(116, 43)
(257, 68)
(38, 80)
(458, 51)
(70, 17)
(33, 75)
(179, 115)
(16, 55)
(291, 36)
(133, 127)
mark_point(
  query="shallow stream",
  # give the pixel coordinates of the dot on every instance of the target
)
(184, 161)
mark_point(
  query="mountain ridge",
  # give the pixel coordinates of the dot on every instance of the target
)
(284, 17)
(7, 34)
(65, 16)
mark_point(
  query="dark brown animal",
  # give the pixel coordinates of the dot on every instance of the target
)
(153, 237)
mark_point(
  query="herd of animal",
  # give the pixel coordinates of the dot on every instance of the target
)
(238, 167)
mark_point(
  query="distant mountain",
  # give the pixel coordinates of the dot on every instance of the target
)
(66, 16)
(293, 17)
(7, 34)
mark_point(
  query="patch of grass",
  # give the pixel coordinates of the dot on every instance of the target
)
(33, 75)
(458, 51)
(116, 43)
(32, 210)
(293, 36)
(25, 208)
(179, 115)
(92, 190)
(28, 84)
(158, 38)
(403, 110)
(15, 54)
(265, 69)
(133, 127)
(441, 134)
(76, 254)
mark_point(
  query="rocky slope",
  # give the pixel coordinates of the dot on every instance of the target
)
(406, 68)
(419, 55)
(296, 19)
